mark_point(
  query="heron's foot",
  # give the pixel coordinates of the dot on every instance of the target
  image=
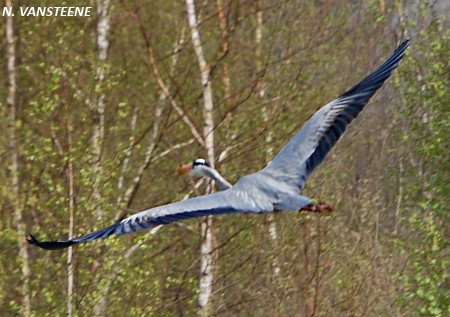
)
(319, 208)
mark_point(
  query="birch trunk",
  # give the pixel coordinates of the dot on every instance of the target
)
(98, 110)
(18, 221)
(70, 266)
(206, 249)
(269, 219)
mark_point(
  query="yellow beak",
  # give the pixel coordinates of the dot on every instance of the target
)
(183, 169)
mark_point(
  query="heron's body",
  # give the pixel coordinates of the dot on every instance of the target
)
(278, 185)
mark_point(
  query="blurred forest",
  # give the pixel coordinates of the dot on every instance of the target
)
(98, 112)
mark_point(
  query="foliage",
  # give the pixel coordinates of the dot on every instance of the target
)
(427, 275)
(384, 251)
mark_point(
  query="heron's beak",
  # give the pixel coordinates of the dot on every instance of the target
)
(183, 169)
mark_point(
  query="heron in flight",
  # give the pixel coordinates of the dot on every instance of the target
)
(277, 186)
(201, 168)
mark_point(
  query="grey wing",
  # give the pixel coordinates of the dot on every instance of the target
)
(228, 201)
(308, 148)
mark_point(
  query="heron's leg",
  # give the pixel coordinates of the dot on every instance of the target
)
(319, 208)
(299, 202)
(292, 202)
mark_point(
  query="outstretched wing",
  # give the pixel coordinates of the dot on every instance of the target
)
(229, 201)
(307, 149)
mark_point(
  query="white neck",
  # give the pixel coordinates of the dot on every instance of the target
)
(209, 172)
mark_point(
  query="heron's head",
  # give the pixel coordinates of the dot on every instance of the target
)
(194, 169)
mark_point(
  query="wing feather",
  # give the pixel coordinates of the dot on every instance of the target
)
(228, 201)
(309, 147)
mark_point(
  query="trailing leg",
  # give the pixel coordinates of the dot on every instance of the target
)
(318, 208)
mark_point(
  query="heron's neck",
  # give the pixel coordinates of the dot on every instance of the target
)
(221, 182)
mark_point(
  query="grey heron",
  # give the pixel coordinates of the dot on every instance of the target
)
(277, 186)
(201, 168)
